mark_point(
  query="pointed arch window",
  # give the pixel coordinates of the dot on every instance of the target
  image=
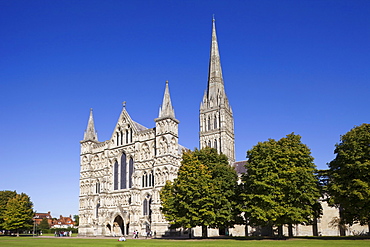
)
(215, 122)
(215, 146)
(147, 205)
(151, 179)
(127, 136)
(97, 210)
(130, 171)
(115, 176)
(123, 172)
(148, 179)
(97, 188)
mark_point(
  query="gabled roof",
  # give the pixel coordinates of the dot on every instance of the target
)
(240, 166)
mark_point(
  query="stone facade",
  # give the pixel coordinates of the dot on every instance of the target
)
(120, 178)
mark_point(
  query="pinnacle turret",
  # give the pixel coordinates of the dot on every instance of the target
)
(90, 133)
(166, 110)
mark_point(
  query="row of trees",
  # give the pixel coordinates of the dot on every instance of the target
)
(16, 211)
(281, 185)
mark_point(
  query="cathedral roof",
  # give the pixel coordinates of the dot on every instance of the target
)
(240, 166)
(139, 126)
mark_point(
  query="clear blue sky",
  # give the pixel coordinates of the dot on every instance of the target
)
(288, 66)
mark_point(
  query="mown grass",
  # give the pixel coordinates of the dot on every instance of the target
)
(71, 242)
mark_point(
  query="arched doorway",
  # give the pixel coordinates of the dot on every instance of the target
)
(118, 228)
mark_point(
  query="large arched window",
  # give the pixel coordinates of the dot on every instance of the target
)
(130, 171)
(115, 176)
(123, 172)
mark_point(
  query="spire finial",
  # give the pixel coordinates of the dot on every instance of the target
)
(166, 110)
(213, 18)
(124, 104)
(90, 133)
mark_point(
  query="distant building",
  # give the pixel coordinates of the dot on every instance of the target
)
(40, 216)
(62, 222)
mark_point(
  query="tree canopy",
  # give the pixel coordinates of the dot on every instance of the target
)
(18, 213)
(279, 186)
(204, 192)
(349, 176)
(44, 224)
(4, 198)
(76, 219)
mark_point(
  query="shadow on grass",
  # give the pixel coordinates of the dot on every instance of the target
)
(273, 238)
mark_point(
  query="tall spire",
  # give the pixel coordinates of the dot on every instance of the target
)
(166, 110)
(215, 80)
(90, 133)
(216, 129)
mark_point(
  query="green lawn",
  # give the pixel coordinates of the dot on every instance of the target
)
(63, 242)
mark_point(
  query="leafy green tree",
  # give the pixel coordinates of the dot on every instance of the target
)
(349, 176)
(44, 224)
(76, 219)
(4, 198)
(204, 192)
(280, 186)
(19, 213)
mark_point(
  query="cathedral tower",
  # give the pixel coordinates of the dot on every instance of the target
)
(216, 117)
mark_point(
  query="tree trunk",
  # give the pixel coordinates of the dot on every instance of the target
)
(270, 231)
(368, 225)
(315, 230)
(280, 231)
(204, 232)
(290, 230)
(342, 230)
(246, 229)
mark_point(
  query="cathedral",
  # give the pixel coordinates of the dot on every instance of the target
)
(120, 178)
